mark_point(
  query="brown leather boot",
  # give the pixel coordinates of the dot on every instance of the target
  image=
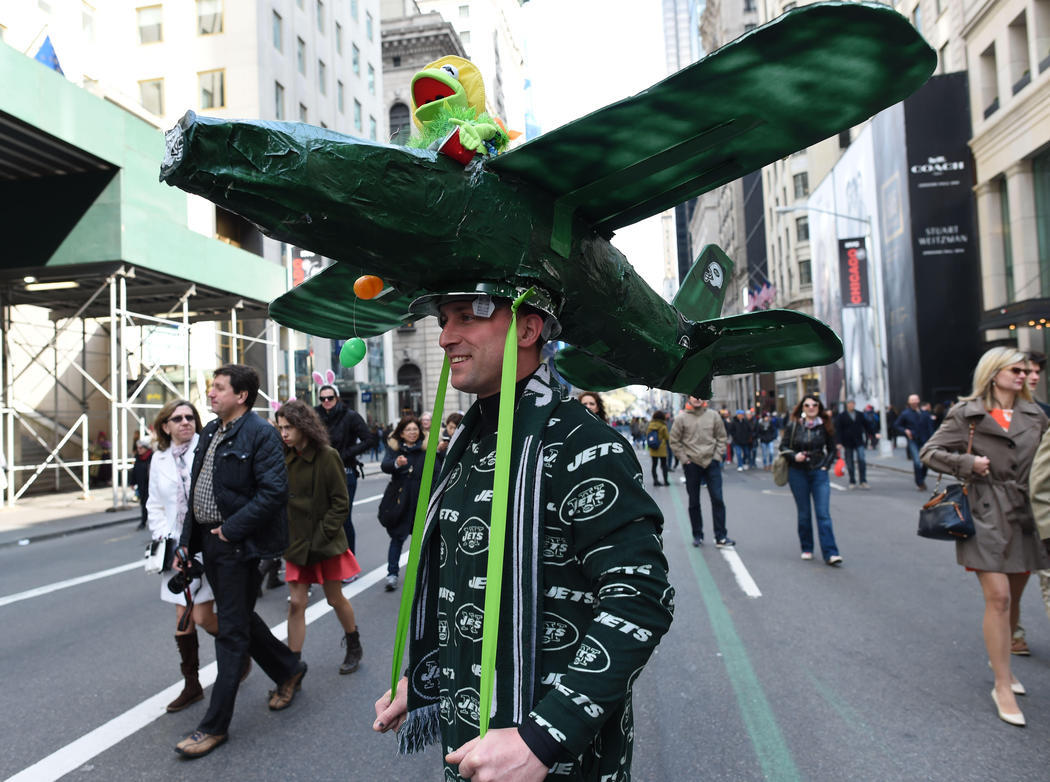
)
(191, 691)
(354, 653)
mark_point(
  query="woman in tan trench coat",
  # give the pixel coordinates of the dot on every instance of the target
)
(1007, 428)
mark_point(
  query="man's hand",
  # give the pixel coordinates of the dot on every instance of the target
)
(390, 715)
(218, 531)
(908, 433)
(501, 755)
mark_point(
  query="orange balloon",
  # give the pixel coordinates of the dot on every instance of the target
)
(368, 286)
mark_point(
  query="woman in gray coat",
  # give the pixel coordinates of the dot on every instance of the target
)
(1007, 427)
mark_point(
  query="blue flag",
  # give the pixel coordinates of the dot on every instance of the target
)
(46, 54)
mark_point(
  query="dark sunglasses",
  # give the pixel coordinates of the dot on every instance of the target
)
(1018, 371)
(327, 398)
(178, 419)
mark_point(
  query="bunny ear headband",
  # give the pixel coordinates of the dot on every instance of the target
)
(327, 379)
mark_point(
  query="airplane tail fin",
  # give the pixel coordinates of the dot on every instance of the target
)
(704, 287)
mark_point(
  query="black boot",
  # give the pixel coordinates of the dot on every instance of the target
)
(191, 691)
(354, 653)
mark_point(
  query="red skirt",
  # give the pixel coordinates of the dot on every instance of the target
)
(334, 568)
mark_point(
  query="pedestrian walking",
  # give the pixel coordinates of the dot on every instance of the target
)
(852, 430)
(238, 515)
(767, 433)
(403, 462)
(809, 442)
(317, 550)
(139, 478)
(176, 426)
(1006, 428)
(742, 434)
(656, 442)
(593, 402)
(917, 425)
(350, 436)
(699, 435)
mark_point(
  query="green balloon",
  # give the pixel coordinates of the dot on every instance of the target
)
(352, 352)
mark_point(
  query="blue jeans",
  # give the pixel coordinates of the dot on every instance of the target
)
(862, 460)
(918, 466)
(806, 485)
(751, 455)
(712, 475)
(348, 525)
(769, 453)
(393, 554)
(740, 455)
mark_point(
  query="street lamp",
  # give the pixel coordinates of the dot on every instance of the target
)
(885, 448)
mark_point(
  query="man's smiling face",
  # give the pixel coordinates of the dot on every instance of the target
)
(474, 346)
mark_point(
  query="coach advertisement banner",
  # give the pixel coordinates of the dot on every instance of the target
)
(853, 272)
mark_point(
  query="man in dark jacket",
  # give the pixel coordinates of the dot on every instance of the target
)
(237, 515)
(917, 425)
(852, 430)
(742, 433)
(350, 436)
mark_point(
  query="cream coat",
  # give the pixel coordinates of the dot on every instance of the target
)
(1005, 541)
(162, 504)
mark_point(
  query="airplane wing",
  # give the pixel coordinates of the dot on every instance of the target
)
(326, 306)
(800, 78)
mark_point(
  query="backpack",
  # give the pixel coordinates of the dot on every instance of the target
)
(653, 440)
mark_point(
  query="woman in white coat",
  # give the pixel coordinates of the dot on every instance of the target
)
(176, 428)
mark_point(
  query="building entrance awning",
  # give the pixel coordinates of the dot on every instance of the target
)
(1029, 313)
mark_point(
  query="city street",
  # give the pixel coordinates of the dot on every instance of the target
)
(774, 669)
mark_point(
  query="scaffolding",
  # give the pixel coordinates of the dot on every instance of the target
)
(130, 305)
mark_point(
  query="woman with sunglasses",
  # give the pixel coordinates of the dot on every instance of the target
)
(1006, 426)
(809, 442)
(176, 427)
(317, 551)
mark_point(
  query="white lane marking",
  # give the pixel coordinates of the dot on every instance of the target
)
(69, 583)
(72, 582)
(837, 486)
(74, 755)
(740, 572)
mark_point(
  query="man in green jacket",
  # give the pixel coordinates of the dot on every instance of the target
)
(585, 596)
(699, 438)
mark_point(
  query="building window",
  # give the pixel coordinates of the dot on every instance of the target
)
(373, 129)
(278, 100)
(320, 16)
(339, 95)
(151, 95)
(464, 37)
(151, 29)
(212, 89)
(801, 185)
(371, 79)
(802, 229)
(749, 27)
(355, 59)
(357, 115)
(805, 276)
(278, 32)
(396, 60)
(400, 124)
(302, 113)
(322, 77)
(749, 5)
(353, 9)
(300, 55)
(338, 38)
(368, 25)
(1020, 68)
(299, 3)
(464, 11)
(989, 81)
(209, 17)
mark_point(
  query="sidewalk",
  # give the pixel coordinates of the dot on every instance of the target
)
(45, 516)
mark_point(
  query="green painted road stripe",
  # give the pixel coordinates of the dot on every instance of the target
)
(770, 747)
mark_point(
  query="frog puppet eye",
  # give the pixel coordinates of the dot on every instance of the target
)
(451, 70)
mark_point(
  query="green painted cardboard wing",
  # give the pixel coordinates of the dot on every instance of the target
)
(543, 213)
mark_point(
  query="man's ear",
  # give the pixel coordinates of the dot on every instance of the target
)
(530, 329)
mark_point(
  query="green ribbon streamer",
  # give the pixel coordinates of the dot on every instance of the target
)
(498, 522)
(408, 590)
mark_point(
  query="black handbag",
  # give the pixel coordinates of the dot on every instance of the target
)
(392, 505)
(946, 516)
